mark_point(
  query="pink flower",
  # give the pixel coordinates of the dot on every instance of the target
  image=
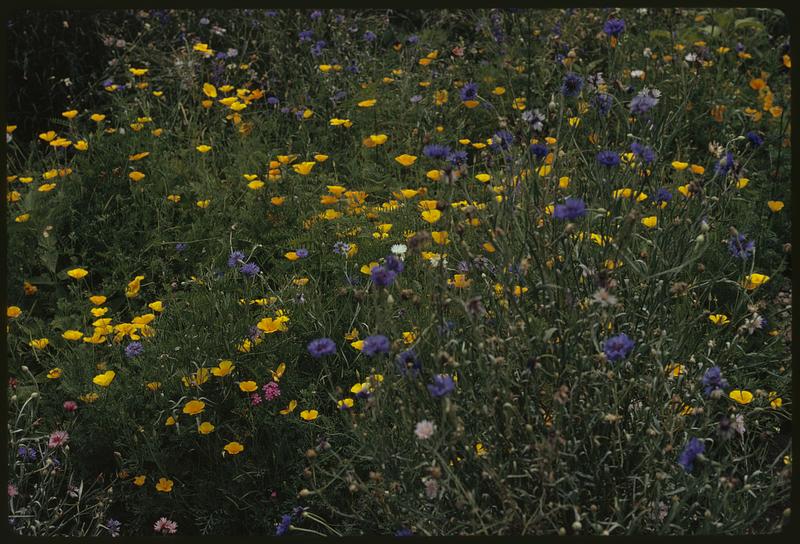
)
(255, 399)
(12, 490)
(165, 526)
(58, 439)
(271, 391)
(70, 405)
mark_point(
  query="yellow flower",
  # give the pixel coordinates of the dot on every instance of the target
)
(499, 91)
(319, 157)
(345, 403)
(751, 281)
(650, 222)
(13, 311)
(405, 159)
(164, 485)
(775, 205)
(677, 165)
(431, 216)
(304, 168)
(139, 480)
(291, 256)
(774, 400)
(72, 335)
(138, 71)
(719, 319)
(97, 300)
(233, 448)
(367, 103)
(358, 344)
(434, 175)
(483, 178)
(248, 386)
(309, 415)
(277, 200)
(225, 367)
(194, 407)
(134, 286)
(104, 379)
(563, 182)
(71, 114)
(54, 373)
(459, 281)
(156, 306)
(741, 396)
(81, 145)
(47, 187)
(153, 386)
(77, 273)
(742, 183)
(174, 198)
(170, 421)
(203, 203)
(289, 409)
(205, 428)
(40, 343)
(203, 148)
(209, 90)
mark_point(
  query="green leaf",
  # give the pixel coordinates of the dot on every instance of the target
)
(749, 23)
(659, 34)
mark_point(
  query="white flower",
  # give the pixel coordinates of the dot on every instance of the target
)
(647, 52)
(399, 249)
(637, 74)
(691, 57)
(425, 429)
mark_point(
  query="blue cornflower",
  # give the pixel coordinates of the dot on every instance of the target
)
(306, 35)
(375, 344)
(538, 150)
(341, 248)
(180, 246)
(273, 101)
(369, 36)
(302, 252)
(316, 14)
(316, 49)
(404, 531)
(134, 349)
(724, 165)
(740, 247)
(614, 27)
(411, 40)
(662, 195)
(382, 276)
(755, 138)
(608, 158)
(442, 385)
(687, 457)
(113, 526)
(572, 85)
(321, 347)
(572, 208)
(250, 269)
(436, 151)
(713, 380)
(502, 139)
(408, 364)
(469, 91)
(618, 347)
(26, 454)
(235, 258)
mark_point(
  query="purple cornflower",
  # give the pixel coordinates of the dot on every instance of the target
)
(180, 246)
(113, 526)
(436, 151)
(369, 36)
(755, 138)
(411, 40)
(316, 14)
(603, 102)
(618, 347)
(572, 208)
(643, 152)
(608, 158)
(572, 85)
(614, 27)
(469, 91)
(404, 531)
(538, 150)
(382, 276)
(234, 258)
(316, 49)
(642, 103)
(442, 385)
(273, 101)
(687, 457)
(134, 349)
(457, 158)
(341, 248)
(250, 269)
(271, 391)
(306, 35)
(713, 380)
(394, 264)
(321, 347)
(26, 454)
(740, 247)
(373, 345)
(283, 526)
(302, 253)
(408, 364)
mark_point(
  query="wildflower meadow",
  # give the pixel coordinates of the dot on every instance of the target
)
(393, 272)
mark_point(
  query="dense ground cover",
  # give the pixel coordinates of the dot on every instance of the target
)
(443, 273)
